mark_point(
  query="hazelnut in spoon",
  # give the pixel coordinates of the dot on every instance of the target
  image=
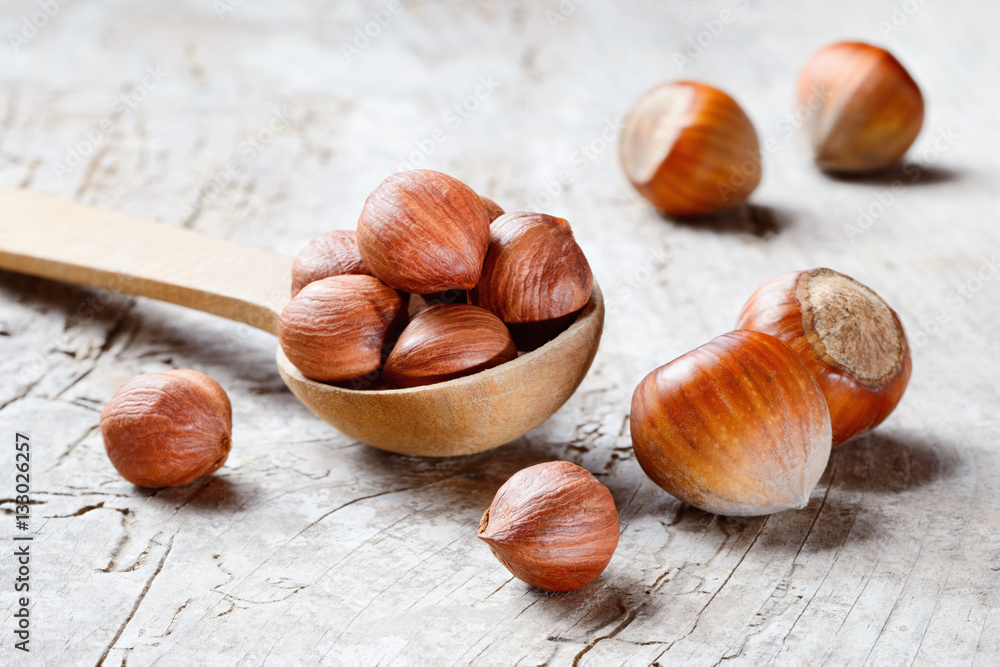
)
(83, 245)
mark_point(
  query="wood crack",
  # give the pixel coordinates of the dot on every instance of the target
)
(135, 607)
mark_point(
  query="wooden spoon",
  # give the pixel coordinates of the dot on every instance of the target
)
(83, 245)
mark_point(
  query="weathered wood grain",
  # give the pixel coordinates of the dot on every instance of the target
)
(307, 547)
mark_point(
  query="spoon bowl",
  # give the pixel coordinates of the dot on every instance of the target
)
(84, 245)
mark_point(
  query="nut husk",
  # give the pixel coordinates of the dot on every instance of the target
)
(553, 525)
(167, 429)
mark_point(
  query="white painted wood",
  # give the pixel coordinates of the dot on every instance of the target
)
(308, 547)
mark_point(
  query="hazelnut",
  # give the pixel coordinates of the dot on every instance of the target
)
(167, 429)
(534, 274)
(331, 254)
(846, 335)
(867, 110)
(492, 208)
(737, 426)
(422, 232)
(335, 329)
(553, 525)
(444, 342)
(690, 149)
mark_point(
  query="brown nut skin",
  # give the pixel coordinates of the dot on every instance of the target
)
(422, 232)
(445, 342)
(866, 110)
(690, 150)
(737, 426)
(492, 208)
(553, 525)
(331, 254)
(167, 429)
(534, 270)
(846, 335)
(335, 329)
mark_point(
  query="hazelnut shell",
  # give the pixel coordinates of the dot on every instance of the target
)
(690, 149)
(738, 426)
(847, 336)
(866, 109)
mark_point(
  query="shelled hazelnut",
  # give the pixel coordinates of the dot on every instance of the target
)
(426, 233)
(331, 254)
(422, 232)
(492, 208)
(167, 429)
(535, 276)
(445, 342)
(336, 329)
(553, 525)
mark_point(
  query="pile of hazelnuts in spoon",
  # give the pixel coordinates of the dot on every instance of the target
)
(490, 284)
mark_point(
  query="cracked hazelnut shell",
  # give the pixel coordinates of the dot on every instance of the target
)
(167, 429)
(331, 254)
(336, 329)
(690, 149)
(423, 232)
(444, 342)
(866, 109)
(848, 337)
(738, 426)
(553, 525)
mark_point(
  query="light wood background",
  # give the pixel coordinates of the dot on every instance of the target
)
(308, 547)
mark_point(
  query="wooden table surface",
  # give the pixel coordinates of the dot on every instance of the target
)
(268, 123)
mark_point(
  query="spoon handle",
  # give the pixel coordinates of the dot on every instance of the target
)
(84, 245)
